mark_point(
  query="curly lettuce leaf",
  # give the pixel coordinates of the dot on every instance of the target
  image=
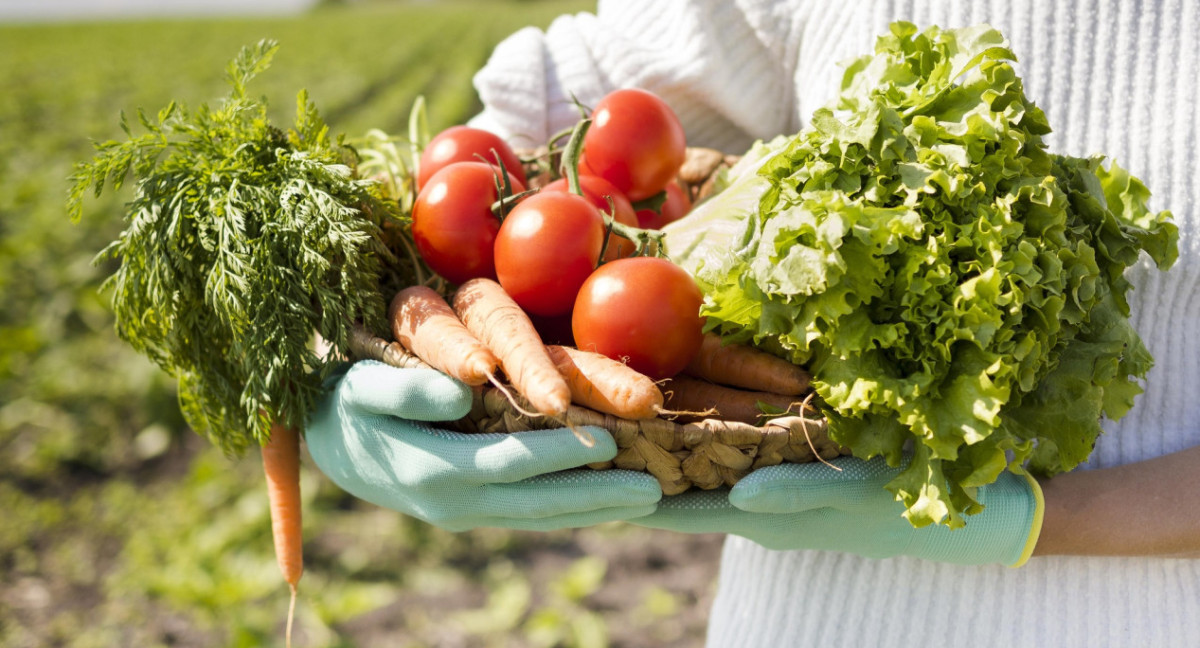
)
(957, 290)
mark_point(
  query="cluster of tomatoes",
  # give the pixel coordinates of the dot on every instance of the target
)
(554, 249)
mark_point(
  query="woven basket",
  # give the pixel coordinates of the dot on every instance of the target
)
(705, 454)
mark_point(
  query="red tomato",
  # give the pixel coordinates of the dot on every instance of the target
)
(644, 311)
(545, 250)
(453, 224)
(598, 190)
(676, 206)
(466, 144)
(635, 142)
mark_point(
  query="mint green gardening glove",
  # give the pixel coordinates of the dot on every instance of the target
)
(814, 506)
(367, 436)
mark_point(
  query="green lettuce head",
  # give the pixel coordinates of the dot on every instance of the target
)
(957, 291)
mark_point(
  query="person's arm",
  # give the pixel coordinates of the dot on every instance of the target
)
(1143, 509)
(725, 66)
(1148, 508)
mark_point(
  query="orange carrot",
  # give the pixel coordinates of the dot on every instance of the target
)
(605, 385)
(493, 317)
(281, 463)
(426, 325)
(692, 395)
(740, 365)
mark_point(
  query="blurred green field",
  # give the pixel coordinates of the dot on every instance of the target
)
(119, 526)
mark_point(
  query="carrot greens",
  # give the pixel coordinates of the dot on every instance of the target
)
(241, 241)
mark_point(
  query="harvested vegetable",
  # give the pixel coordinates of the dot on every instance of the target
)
(425, 324)
(281, 464)
(496, 320)
(643, 311)
(746, 367)
(695, 399)
(607, 199)
(675, 205)
(546, 248)
(636, 142)
(242, 240)
(466, 144)
(605, 385)
(453, 223)
(955, 288)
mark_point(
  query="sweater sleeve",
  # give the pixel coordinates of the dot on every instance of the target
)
(726, 68)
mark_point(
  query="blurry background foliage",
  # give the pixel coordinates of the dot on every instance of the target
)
(121, 527)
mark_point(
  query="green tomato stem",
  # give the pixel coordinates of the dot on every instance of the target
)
(570, 161)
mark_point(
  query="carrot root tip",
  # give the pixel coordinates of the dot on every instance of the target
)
(290, 617)
(674, 414)
(511, 399)
(583, 435)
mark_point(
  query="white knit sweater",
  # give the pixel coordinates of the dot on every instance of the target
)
(1116, 78)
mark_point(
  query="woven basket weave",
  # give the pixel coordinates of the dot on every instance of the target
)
(705, 454)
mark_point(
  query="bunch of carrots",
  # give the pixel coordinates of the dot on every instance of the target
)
(482, 336)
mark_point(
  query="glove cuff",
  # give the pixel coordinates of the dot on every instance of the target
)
(1035, 530)
(1004, 532)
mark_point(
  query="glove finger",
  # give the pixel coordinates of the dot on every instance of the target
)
(380, 459)
(571, 520)
(518, 456)
(571, 492)
(384, 449)
(415, 394)
(790, 488)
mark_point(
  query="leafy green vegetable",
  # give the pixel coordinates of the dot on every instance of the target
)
(702, 240)
(241, 242)
(956, 289)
